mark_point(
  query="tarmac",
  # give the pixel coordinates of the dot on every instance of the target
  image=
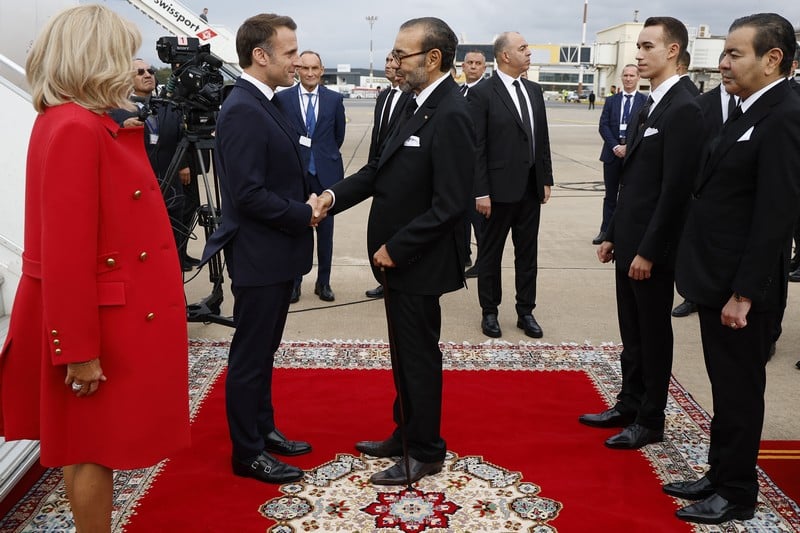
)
(575, 292)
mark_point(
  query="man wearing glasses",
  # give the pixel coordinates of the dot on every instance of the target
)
(419, 184)
(162, 133)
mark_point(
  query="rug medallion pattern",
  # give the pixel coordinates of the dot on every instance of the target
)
(473, 496)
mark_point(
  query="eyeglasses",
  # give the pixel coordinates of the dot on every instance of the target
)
(141, 71)
(398, 58)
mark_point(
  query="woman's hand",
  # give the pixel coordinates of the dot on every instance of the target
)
(85, 377)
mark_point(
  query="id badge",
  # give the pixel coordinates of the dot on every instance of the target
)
(154, 138)
(305, 141)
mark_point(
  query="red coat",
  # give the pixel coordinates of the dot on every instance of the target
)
(100, 278)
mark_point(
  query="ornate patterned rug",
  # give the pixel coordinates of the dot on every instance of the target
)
(533, 491)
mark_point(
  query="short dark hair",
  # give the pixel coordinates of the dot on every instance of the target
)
(772, 31)
(674, 31)
(685, 59)
(257, 32)
(437, 35)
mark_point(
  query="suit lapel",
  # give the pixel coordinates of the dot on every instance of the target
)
(273, 111)
(502, 93)
(662, 106)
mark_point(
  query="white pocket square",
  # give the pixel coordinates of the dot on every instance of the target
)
(650, 131)
(412, 141)
(746, 135)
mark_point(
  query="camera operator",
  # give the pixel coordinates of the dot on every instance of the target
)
(162, 133)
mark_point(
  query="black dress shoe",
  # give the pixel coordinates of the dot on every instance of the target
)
(797, 365)
(324, 292)
(684, 309)
(377, 292)
(610, 418)
(380, 448)
(715, 510)
(698, 489)
(471, 272)
(295, 295)
(529, 325)
(794, 275)
(600, 238)
(396, 475)
(275, 442)
(634, 437)
(490, 326)
(186, 267)
(266, 468)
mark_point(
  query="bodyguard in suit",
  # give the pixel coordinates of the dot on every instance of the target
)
(513, 176)
(662, 157)
(419, 187)
(388, 110)
(734, 255)
(614, 121)
(266, 237)
(683, 71)
(318, 115)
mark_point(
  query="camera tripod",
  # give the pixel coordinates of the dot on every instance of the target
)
(197, 144)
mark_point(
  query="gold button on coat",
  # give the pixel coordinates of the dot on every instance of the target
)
(137, 195)
(56, 342)
(150, 316)
(54, 333)
(58, 351)
(111, 262)
(143, 256)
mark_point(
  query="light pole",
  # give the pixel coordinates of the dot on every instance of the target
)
(371, 19)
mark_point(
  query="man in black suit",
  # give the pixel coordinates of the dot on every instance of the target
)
(683, 71)
(266, 235)
(513, 176)
(318, 115)
(662, 158)
(388, 108)
(419, 187)
(734, 255)
(618, 110)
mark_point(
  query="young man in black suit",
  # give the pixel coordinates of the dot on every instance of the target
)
(419, 186)
(662, 158)
(513, 177)
(388, 108)
(266, 235)
(734, 256)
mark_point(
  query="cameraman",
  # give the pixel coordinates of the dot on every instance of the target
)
(162, 133)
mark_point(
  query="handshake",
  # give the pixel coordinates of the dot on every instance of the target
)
(319, 207)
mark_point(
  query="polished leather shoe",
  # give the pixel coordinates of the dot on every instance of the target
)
(684, 309)
(396, 475)
(380, 448)
(266, 468)
(295, 295)
(275, 442)
(794, 275)
(490, 326)
(600, 238)
(634, 437)
(715, 510)
(377, 292)
(610, 418)
(324, 292)
(471, 272)
(698, 489)
(529, 325)
(186, 267)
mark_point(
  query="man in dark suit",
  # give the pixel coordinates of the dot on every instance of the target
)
(419, 187)
(513, 176)
(318, 115)
(716, 105)
(266, 237)
(388, 108)
(734, 255)
(683, 71)
(662, 157)
(614, 121)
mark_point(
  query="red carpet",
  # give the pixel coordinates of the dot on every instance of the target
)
(518, 413)
(780, 459)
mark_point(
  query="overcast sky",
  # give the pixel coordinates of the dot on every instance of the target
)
(338, 30)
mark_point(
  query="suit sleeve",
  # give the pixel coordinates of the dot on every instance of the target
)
(451, 189)
(683, 142)
(250, 153)
(605, 124)
(479, 108)
(542, 135)
(340, 121)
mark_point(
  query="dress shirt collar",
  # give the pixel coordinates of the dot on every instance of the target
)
(658, 93)
(758, 94)
(474, 83)
(633, 94)
(427, 91)
(507, 80)
(304, 91)
(260, 85)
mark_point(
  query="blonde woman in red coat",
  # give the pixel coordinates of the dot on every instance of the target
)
(95, 363)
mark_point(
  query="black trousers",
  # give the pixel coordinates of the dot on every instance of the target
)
(611, 173)
(260, 315)
(645, 325)
(736, 360)
(416, 324)
(522, 219)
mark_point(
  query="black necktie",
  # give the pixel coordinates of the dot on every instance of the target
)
(736, 113)
(526, 117)
(464, 89)
(644, 112)
(731, 106)
(383, 127)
